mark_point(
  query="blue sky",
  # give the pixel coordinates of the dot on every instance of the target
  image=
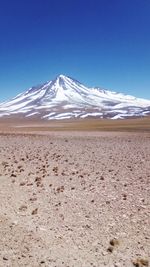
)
(99, 42)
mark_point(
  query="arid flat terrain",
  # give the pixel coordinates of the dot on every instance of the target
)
(74, 199)
(30, 125)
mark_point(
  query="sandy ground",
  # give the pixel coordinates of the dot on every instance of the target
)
(75, 199)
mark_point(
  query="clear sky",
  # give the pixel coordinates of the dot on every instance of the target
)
(98, 42)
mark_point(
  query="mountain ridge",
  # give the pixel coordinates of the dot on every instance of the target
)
(67, 98)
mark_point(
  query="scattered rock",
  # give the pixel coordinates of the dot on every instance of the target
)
(34, 212)
(114, 242)
(110, 249)
(60, 189)
(140, 262)
(22, 183)
(5, 258)
(23, 208)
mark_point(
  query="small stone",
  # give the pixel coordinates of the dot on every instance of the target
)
(34, 212)
(110, 249)
(114, 242)
(22, 183)
(140, 262)
(42, 262)
(5, 258)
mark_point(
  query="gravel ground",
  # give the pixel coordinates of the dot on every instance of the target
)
(75, 199)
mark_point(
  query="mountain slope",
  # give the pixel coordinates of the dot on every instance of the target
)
(65, 97)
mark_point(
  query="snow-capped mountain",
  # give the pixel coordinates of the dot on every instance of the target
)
(65, 98)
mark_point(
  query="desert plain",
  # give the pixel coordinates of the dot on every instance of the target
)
(75, 194)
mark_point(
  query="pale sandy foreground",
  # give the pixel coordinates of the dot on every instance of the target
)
(75, 199)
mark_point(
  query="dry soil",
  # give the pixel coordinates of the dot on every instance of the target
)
(74, 199)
